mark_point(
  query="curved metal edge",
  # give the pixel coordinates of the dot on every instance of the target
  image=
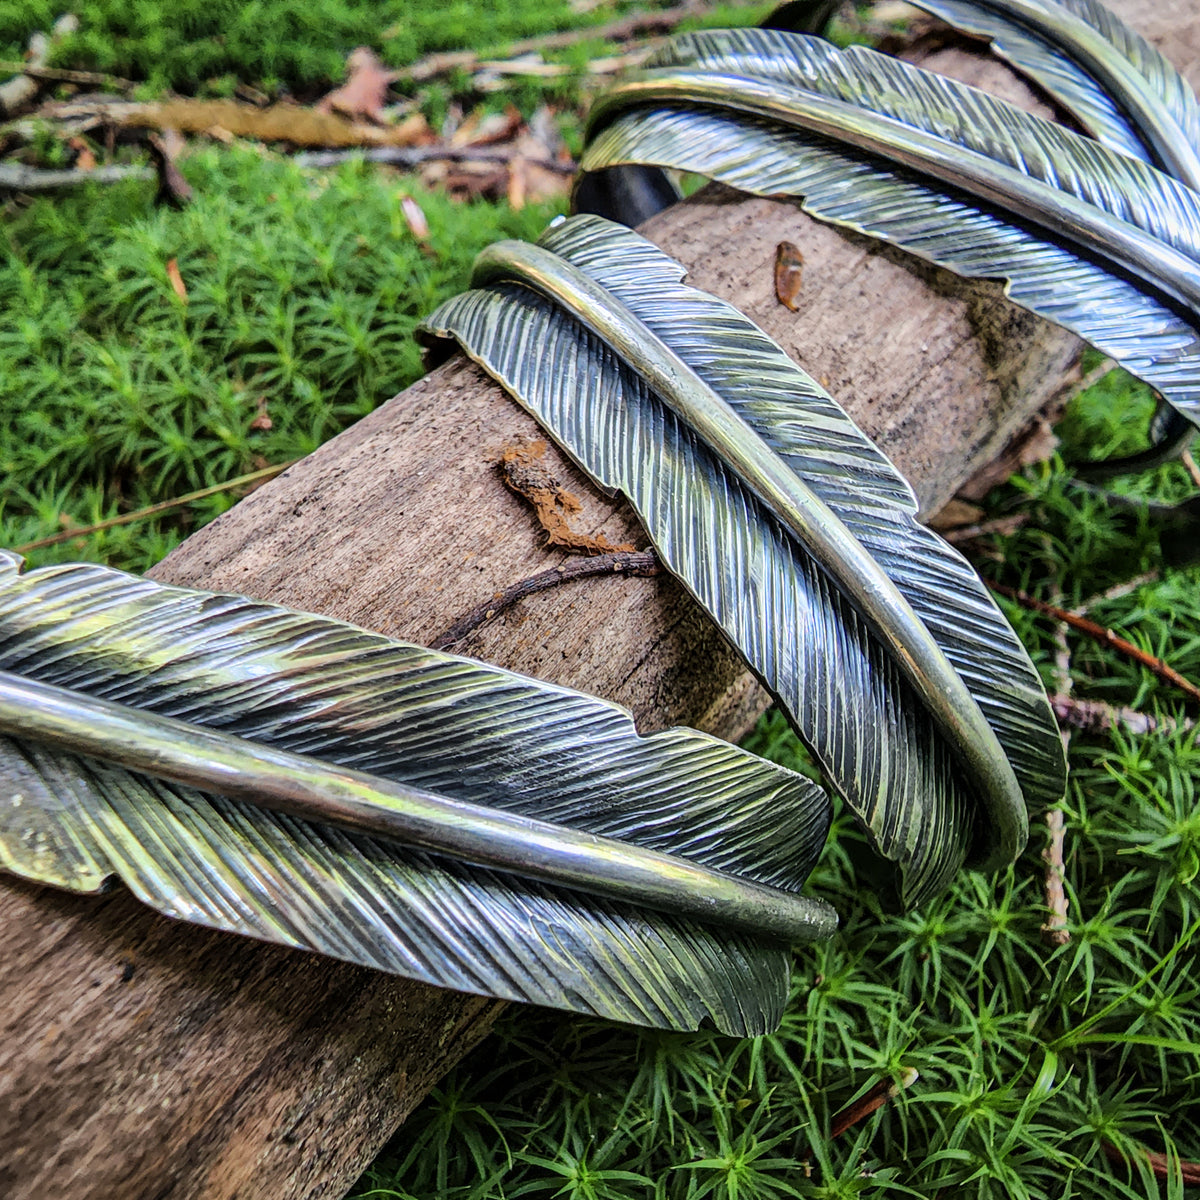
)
(831, 544)
(1097, 233)
(315, 790)
(1126, 86)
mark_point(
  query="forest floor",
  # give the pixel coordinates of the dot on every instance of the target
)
(200, 323)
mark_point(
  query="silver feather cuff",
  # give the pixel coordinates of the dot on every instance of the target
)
(1095, 240)
(293, 778)
(792, 530)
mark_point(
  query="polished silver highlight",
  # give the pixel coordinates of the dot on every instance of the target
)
(798, 507)
(312, 790)
(539, 783)
(1114, 82)
(1132, 219)
(758, 550)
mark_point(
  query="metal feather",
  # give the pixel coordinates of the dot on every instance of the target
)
(1121, 89)
(739, 558)
(528, 752)
(1137, 303)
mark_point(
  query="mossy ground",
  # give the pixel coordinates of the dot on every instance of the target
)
(302, 291)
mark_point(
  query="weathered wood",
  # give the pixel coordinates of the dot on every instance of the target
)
(141, 1058)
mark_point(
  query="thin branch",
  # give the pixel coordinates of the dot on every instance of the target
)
(1105, 636)
(62, 75)
(622, 30)
(18, 178)
(154, 509)
(1189, 465)
(1159, 1164)
(415, 156)
(635, 562)
(877, 1097)
(1118, 591)
(1094, 716)
(1054, 928)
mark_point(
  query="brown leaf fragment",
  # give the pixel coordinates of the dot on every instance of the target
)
(363, 93)
(414, 218)
(954, 514)
(262, 421)
(85, 160)
(789, 274)
(177, 284)
(488, 129)
(525, 470)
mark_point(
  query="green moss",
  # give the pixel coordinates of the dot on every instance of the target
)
(303, 289)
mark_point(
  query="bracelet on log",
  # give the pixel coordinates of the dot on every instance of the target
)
(790, 527)
(512, 838)
(1102, 243)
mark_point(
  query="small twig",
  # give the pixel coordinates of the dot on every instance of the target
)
(1001, 525)
(1118, 591)
(1189, 464)
(18, 178)
(173, 189)
(635, 562)
(622, 30)
(1159, 1164)
(1094, 716)
(877, 1097)
(154, 509)
(1105, 637)
(62, 75)
(415, 156)
(1054, 928)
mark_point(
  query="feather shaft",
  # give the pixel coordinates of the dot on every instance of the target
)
(796, 506)
(1097, 232)
(1165, 132)
(305, 787)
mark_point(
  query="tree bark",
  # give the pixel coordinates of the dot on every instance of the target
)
(146, 1059)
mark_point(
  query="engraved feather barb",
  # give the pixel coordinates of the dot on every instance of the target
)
(763, 583)
(530, 753)
(1130, 285)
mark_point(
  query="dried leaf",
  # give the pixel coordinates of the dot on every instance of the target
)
(954, 514)
(526, 472)
(789, 274)
(85, 160)
(414, 218)
(262, 421)
(176, 279)
(363, 93)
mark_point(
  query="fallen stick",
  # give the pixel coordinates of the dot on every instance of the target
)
(1105, 636)
(154, 1061)
(623, 29)
(16, 177)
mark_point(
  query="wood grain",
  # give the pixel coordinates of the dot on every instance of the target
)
(142, 1059)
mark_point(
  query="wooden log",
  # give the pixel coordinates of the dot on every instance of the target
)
(149, 1060)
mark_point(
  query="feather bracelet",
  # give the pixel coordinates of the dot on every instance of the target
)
(790, 527)
(1097, 241)
(290, 777)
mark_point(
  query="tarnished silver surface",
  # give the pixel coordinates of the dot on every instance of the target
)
(1114, 82)
(506, 757)
(306, 787)
(1131, 219)
(761, 552)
